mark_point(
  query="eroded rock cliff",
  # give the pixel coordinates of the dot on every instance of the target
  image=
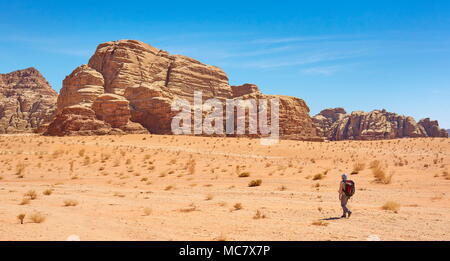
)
(336, 124)
(129, 87)
(26, 101)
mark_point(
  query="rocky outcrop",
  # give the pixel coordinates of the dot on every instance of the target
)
(80, 120)
(81, 87)
(335, 124)
(244, 89)
(432, 128)
(27, 101)
(128, 83)
(325, 119)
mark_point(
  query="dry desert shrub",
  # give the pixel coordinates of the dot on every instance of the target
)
(357, 167)
(70, 203)
(117, 194)
(116, 163)
(191, 208)
(191, 166)
(21, 217)
(104, 157)
(172, 161)
(58, 153)
(37, 217)
(238, 206)
(221, 237)
(255, 183)
(147, 211)
(318, 176)
(31, 194)
(25, 201)
(170, 187)
(320, 223)
(391, 206)
(375, 164)
(381, 177)
(20, 169)
(47, 192)
(86, 161)
(244, 174)
(259, 215)
(81, 152)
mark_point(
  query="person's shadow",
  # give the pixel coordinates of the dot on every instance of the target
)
(332, 218)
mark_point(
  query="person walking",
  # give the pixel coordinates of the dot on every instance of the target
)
(343, 197)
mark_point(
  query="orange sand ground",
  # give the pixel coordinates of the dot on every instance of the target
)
(150, 187)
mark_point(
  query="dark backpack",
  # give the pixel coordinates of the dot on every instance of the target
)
(349, 188)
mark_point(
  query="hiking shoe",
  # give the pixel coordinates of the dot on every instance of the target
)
(349, 214)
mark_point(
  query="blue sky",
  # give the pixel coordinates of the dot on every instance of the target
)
(360, 55)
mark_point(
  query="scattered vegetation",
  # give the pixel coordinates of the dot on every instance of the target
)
(320, 223)
(244, 175)
(391, 206)
(25, 201)
(381, 177)
(375, 164)
(238, 206)
(21, 217)
(259, 215)
(318, 176)
(209, 197)
(20, 169)
(147, 211)
(31, 194)
(70, 203)
(357, 167)
(221, 237)
(37, 217)
(47, 192)
(255, 183)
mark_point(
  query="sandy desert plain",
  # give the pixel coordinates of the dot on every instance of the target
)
(154, 187)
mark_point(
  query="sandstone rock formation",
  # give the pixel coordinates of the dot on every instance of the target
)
(129, 86)
(26, 101)
(432, 128)
(325, 119)
(335, 124)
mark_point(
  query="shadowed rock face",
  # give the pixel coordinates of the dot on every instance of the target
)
(128, 83)
(26, 101)
(335, 124)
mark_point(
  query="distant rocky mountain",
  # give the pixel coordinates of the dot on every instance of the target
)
(128, 87)
(336, 124)
(26, 101)
(448, 131)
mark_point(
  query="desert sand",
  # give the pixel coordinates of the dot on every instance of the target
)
(154, 187)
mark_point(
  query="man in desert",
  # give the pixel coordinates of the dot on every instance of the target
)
(343, 197)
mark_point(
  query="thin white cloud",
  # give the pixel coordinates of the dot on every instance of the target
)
(289, 39)
(303, 59)
(322, 70)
